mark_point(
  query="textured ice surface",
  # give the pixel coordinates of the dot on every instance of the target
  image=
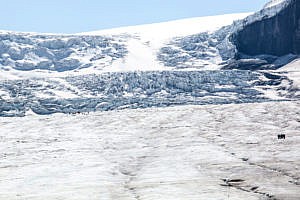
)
(111, 91)
(210, 49)
(220, 143)
(25, 55)
(197, 43)
(173, 153)
(26, 52)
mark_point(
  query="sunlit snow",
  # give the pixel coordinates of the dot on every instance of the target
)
(172, 153)
(146, 113)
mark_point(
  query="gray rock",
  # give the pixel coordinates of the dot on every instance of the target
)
(278, 35)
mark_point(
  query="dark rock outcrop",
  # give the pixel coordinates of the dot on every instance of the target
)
(278, 35)
(259, 62)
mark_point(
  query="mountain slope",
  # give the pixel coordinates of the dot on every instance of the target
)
(165, 127)
(278, 35)
(123, 49)
(165, 64)
(205, 43)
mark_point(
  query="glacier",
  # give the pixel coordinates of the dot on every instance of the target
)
(182, 152)
(27, 52)
(203, 43)
(120, 90)
(157, 111)
(174, 63)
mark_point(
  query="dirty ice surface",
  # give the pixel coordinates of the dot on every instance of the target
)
(215, 152)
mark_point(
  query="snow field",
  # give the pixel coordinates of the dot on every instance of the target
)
(180, 152)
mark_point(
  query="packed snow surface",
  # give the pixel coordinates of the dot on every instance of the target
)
(292, 71)
(178, 28)
(186, 152)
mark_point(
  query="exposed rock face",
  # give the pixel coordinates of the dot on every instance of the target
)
(278, 35)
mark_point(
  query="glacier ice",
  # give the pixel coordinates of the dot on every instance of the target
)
(60, 53)
(121, 90)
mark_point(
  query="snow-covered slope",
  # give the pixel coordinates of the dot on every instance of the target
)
(167, 30)
(42, 54)
(48, 73)
(273, 3)
(168, 131)
(292, 71)
(123, 49)
(196, 43)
